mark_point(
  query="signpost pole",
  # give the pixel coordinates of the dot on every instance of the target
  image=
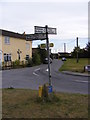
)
(41, 33)
(47, 40)
(77, 50)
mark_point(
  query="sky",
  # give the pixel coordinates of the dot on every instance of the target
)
(70, 19)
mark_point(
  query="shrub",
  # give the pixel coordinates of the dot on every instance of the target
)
(17, 62)
(29, 62)
(23, 64)
(36, 59)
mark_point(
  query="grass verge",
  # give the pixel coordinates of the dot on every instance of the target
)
(23, 103)
(71, 65)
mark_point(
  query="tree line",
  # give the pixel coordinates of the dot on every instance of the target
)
(82, 53)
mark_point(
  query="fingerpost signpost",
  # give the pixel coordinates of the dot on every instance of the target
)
(41, 33)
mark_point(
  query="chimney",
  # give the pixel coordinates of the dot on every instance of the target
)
(24, 33)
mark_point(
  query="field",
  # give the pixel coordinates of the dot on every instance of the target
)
(72, 65)
(21, 103)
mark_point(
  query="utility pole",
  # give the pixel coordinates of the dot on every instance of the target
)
(64, 47)
(77, 50)
(47, 40)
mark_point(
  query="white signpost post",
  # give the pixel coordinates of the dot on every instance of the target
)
(41, 33)
(47, 30)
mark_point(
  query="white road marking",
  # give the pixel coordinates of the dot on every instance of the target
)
(81, 81)
(35, 71)
(35, 74)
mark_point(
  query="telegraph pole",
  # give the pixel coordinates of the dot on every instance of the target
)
(64, 47)
(77, 49)
(47, 40)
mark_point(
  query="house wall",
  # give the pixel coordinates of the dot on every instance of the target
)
(0, 50)
(0, 42)
(12, 48)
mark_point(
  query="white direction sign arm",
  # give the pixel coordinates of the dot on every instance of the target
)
(35, 36)
(39, 29)
(50, 30)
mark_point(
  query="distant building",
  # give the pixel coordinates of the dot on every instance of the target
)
(64, 54)
(14, 46)
(61, 54)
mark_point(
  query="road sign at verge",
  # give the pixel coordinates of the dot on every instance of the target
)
(43, 46)
(41, 33)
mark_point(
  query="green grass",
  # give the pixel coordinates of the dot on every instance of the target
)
(20, 103)
(71, 65)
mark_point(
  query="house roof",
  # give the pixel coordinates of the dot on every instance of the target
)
(12, 34)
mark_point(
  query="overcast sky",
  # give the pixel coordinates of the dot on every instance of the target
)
(70, 19)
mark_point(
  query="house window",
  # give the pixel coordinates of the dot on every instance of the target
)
(27, 46)
(27, 57)
(7, 40)
(7, 57)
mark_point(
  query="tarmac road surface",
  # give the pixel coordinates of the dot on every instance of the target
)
(33, 77)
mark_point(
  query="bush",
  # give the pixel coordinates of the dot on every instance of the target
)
(43, 54)
(36, 59)
(29, 62)
(23, 64)
(16, 62)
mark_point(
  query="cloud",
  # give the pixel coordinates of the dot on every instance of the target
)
(70, 19)
(45, 1)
